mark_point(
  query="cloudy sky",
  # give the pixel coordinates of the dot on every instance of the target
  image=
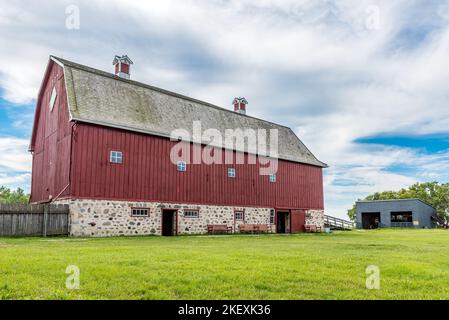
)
(362, 83)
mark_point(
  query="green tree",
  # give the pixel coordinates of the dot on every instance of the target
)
(10, 196)
(434, 193)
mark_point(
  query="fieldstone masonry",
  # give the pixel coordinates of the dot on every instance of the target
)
(315, 217)
(102, 218)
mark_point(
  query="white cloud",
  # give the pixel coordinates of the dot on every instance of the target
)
(313, 65)
(14, 155)
(15, 163)
(15, 181)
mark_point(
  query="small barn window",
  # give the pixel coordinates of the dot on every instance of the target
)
(54, 94)
(231, 172)
(116, 157)
(272, 216)
(272, 178)
(239, 215)
(138, 212)
(181, 166)
(191, 214)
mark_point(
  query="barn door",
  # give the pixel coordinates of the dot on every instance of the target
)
(50, 159)
(298, 220)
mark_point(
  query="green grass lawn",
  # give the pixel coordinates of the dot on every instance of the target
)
(414, 264)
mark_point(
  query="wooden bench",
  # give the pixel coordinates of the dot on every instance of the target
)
(263, 228)
(246, 228)
(254, 228)
(311, 228)
(218, 228)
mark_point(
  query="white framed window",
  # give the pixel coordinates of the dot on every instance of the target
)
(54, 94)
(181, 166)
(139, 212)
(116, 157)
(272, 216)
(272, 178)
(239, 215)
(191, 214)
(231, 172)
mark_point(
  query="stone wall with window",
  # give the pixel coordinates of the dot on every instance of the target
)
(102, 218)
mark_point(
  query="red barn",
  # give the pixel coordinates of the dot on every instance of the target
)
(133, 159)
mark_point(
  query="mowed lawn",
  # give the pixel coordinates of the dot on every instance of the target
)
(414, 264)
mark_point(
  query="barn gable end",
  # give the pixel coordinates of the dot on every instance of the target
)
(51, 138)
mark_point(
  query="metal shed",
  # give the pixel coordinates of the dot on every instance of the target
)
(403, 213)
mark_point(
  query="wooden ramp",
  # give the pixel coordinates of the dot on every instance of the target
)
(440, 222)
(337, 224)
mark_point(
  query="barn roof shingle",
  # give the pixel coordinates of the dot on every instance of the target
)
(101, 98)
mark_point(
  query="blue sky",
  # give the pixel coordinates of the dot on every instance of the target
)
(429, 144)
(362, 83)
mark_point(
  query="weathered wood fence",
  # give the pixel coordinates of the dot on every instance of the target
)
(34, 220)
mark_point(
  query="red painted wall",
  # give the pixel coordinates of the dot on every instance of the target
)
(148, 174)
(51, 140)
(125, 68)
(72, 160)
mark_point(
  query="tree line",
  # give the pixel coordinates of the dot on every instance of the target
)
(13, 196)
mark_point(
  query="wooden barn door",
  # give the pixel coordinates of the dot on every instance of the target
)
(51, 158)
(298, 220)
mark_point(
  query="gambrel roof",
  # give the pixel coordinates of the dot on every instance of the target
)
(101, 98)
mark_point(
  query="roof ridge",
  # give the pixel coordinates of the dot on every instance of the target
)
(148, 86)
(404, 199)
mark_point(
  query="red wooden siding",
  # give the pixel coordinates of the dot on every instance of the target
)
(125, 68)
(148, 174)
(51, 141)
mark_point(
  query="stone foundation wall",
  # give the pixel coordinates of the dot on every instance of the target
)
(315, 217)
(102, 218)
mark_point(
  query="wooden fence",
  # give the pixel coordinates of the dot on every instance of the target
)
(34, 220)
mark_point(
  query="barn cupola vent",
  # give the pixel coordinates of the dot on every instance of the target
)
(240, 105)
(122, 66)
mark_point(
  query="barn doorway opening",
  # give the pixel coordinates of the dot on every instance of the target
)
(169, 224)
(370, 220)
(283, 222)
